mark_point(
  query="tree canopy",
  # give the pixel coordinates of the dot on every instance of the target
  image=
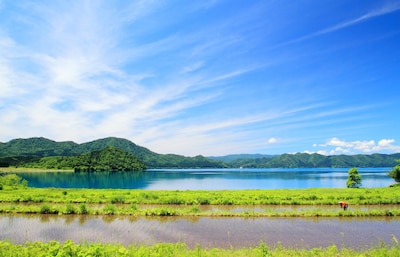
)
(395, 172)
(354, 179)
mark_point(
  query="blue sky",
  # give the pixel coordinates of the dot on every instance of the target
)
(204, 77)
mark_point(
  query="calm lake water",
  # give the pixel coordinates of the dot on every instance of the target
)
(210, 179)
(207, 231)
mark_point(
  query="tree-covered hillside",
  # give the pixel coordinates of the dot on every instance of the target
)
(304, 160)
(37, 146)
(108, 159)
(20, 152)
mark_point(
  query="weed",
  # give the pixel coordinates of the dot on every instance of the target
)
(45, 209)
(83, 209)
(70, 209)
(110, 209)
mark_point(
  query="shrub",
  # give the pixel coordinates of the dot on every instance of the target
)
(45, 209)
(395, 172)
(354, 179)
(70, 209)
(110, 209)
(83, 209)
(118, 199)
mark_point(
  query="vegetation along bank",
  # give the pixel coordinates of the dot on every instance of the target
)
(17, 197)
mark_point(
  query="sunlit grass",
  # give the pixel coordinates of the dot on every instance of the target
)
(69, 248)
(179, 203)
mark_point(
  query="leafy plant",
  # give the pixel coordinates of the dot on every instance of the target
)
(395, 172)
(354, 179)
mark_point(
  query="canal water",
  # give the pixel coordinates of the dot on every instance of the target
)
(224, 232)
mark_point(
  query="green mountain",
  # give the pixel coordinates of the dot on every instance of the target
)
(107, 159)
(304, 160)
(234, 157)
(37, 146)
(23, 151)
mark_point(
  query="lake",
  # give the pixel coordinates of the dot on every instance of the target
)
(210, 179)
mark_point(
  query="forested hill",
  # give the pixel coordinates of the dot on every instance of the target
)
(30, 150)
(304, 160)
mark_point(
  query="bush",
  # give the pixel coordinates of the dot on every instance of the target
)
(110, 209)
(83, 209)
(395, 172)
(70, 209)
(118, 199)
(45, 209)
(354, 180)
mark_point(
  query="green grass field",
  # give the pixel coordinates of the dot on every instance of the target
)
(20, 199)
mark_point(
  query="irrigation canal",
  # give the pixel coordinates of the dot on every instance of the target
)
(205, 231)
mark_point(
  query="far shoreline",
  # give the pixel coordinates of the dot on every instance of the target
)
(22, 169)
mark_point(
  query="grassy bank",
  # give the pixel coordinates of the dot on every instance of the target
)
(185, 210)
(384, 202)
(198, 197)
(17, 197)
(165, 250)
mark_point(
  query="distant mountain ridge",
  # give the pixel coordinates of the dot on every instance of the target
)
(234, 157)
(304, 160)
(33, 149)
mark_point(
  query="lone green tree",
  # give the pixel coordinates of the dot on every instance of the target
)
(395, 173)
(354, 179)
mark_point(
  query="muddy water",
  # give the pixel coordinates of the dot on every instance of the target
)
(206, 231)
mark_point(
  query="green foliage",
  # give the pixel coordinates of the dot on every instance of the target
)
(69, 248)
(33, 152)
(354, 179)
(395, 172)
(70, 209)
(304, 160)
(108, 159)
(12, 180)
(83, 209)
(110, 209)
(46, 209)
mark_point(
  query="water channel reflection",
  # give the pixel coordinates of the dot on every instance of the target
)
(206, 231)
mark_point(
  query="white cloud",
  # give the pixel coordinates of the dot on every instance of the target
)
(272, 140)
(353, 147)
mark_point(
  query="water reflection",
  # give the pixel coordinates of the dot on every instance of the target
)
(209, 179)
(206, 231)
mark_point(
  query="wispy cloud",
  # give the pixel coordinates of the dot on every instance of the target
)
(190, 78)
(385, 9)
